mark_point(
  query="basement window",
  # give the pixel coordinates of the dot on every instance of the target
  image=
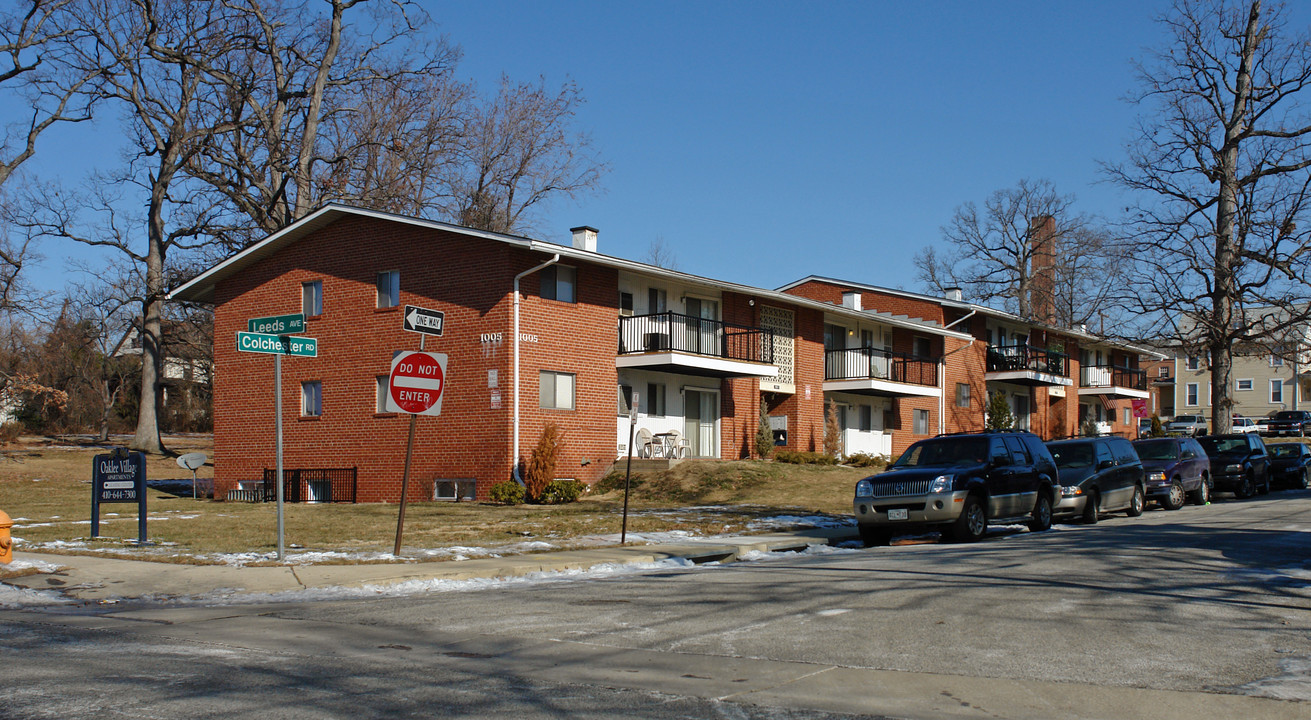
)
(463, 489)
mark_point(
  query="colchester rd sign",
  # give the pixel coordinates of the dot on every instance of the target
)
(416, 383)
(277, 344)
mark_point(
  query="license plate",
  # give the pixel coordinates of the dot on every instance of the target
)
(898, 514)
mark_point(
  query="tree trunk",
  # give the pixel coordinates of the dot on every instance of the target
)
(147, 436)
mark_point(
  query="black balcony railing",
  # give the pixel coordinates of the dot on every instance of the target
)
(669, 331)
(1004, 358)
(1097, 376)
(869, 363)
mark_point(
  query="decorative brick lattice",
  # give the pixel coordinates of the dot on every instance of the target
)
(779, 321)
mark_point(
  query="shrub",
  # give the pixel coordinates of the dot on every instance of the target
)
(999, 412)
(506, 492)
(865, 460)
(1158, 430)
(541, 464)
(10, 431)
(559, 492)
(764, 436)
(832, 432)
(805, 458)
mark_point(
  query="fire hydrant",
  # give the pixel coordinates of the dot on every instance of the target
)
(6, 542)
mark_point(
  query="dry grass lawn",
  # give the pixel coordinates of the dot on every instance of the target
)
(45, 486)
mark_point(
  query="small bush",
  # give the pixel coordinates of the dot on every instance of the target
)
(559, 492)
(9, 432)
(614, 480)
(506, 492)
(865, 460)
(804, 458)
(541, 463)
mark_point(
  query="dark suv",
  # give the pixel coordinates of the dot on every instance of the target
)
(960, 483)
(1177, 470)
(1098, 475)
(1239, 462)
(1289, 422)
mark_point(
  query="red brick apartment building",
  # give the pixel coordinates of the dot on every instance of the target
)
(538, 332)
(1054, 378)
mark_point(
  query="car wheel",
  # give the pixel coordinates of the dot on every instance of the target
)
(874, 536)
(972, 523)
(1042, 514)
(1175, 499)
(1264, 488)
(1306, 479)
(1090, 508)
(1247, 489)
(1202, 495)
(1138, 502)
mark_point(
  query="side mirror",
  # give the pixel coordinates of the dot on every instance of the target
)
(1105, 464)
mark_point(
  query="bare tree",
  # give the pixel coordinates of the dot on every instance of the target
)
(1220, 169)
(1027, 248)
(661, 254)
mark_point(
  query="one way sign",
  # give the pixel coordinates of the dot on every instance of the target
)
(423, 320)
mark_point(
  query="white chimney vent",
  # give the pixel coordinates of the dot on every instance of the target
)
(584, 237)
(851, 300)
(954, 293)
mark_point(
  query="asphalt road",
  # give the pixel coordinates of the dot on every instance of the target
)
(1199, 613)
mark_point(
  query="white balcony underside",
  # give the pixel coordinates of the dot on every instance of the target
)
(881, 387)
(1114, 391)
(677, 361)
(1028, 377)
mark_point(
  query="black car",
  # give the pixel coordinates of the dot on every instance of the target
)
(1239, 462)
(1290, 464)
(960, 483)
(1290, 422)
(1098, 475)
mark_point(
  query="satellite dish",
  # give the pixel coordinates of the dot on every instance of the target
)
(193, 461)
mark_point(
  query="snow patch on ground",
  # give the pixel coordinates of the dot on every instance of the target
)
(16, 597)
(1293, 684)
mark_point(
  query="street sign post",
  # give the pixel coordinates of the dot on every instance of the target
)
(416, 383)
(277, 344)
(277, 324)
(423, 320)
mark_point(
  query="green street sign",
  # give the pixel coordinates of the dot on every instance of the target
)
(277, 344)
(277, 324)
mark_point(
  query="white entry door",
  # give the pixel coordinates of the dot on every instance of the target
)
(701, 425)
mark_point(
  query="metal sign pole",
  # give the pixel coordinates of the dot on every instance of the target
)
(405, 477)
(277, 410)
(632, 424)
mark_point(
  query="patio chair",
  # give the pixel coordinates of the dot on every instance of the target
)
(678, 445)
(644, 446)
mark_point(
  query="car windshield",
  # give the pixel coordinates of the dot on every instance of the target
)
(1187, 419)
(946, 451)
(1285, 450)
(1074, 455)
(1157, 449)
(1220, 446)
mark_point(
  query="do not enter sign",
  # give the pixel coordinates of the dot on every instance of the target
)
(416, 383)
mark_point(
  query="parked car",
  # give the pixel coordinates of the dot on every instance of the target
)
(1144, 427)
(1263, 424)
(960, 483)
(1290, 464)
(1239, 462)
(1098, 475)
(1245, 425)
(1291, 422)
(1194, 425)
(1177, 470)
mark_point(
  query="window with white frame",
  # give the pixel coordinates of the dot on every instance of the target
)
(1190, 394)
(311, 298)
(921, 422)
(1243, 384)
(655, 399)
(866, 418)
(455, 490)
(311, 398)
(962, 395)
(922, 347)
(1193, 362)
(1276, 391)
(1164, 371)
(389, 289)
(625, 304)
(557, 390)
(558, 283)
(1276, 361)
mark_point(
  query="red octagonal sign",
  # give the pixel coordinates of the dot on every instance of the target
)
(416, 383)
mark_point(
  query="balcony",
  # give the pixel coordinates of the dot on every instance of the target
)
(672, 342)
(1027, 365)
(1112, 381)
(875, 371)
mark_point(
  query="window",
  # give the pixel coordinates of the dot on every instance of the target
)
(1128, 416)
(1193, 362)
(625, 304)
(558, 283)
(656, 301)
(1276, 391)
(381, 405)
(1276, 361)
(1191, 394)
(455, 490)
(389, 289)
(625, 400)
(655, 399)
(922, 347)
(311, 398)
(1164, 371)
(866, 418)
(921, 422)
(557, 390)
(311, 298)
(962, 395)
(1244, 384)
(835, 337)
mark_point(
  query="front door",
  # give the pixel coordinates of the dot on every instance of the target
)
(703, 326)
(701, 424)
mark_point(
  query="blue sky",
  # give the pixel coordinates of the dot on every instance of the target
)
(766, 141)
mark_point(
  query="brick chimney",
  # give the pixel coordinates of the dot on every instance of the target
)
(584, 237)
(1042, 269)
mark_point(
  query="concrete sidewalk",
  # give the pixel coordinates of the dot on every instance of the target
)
(92, 579)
